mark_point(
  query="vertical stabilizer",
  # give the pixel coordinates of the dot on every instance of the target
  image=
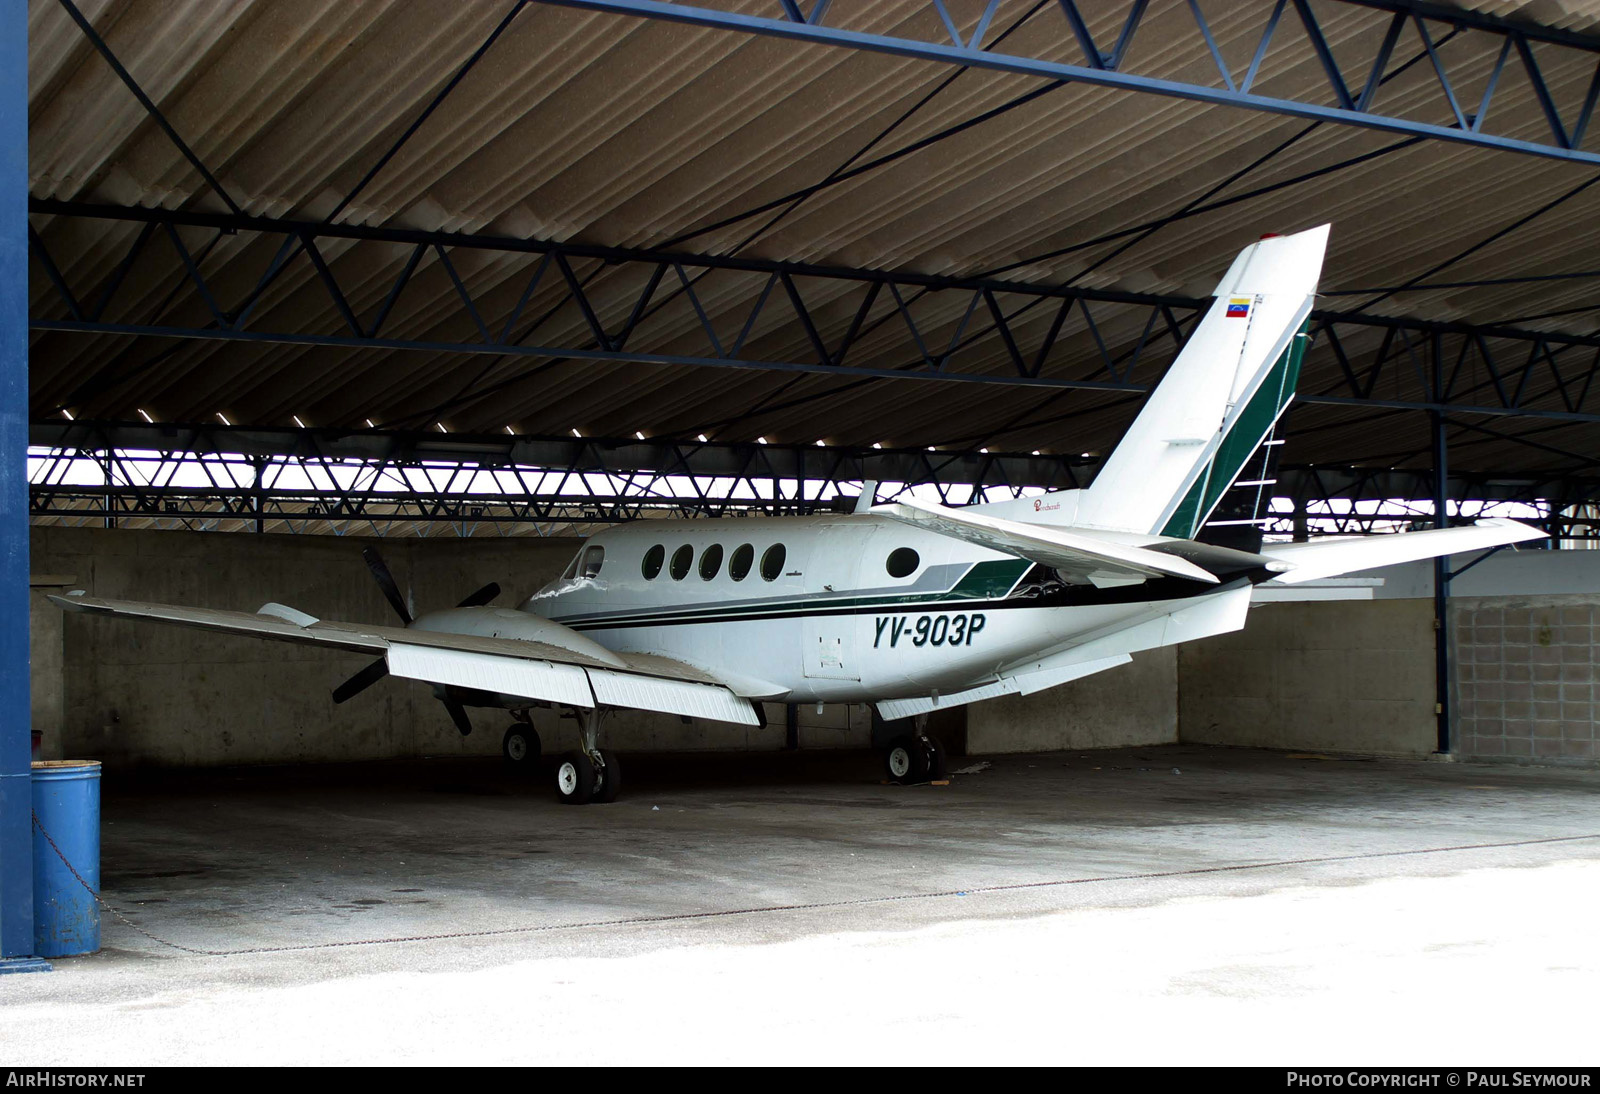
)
(1217, 404)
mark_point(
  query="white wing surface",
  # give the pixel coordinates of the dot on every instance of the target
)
(542, 671)
(1100, 561)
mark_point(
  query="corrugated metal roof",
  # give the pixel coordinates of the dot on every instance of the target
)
(589, 127)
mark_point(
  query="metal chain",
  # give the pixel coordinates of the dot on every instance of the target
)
(100, 900)
(680, 917)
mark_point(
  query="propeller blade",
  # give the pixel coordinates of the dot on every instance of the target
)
(361, 681)
(482, 596)
(385, 579)
(458, 715)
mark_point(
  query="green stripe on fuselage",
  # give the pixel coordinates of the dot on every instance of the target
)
(1250, 427)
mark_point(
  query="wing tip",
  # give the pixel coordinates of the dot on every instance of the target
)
(1524, 532)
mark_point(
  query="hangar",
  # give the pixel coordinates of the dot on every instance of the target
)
(477, 280)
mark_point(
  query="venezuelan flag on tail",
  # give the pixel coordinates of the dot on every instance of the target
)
(1214, 409)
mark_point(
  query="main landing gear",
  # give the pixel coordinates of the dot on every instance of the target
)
(521, 746)
(591, 773)
(915, 758)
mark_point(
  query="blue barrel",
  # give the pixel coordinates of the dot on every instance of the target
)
(66, 799)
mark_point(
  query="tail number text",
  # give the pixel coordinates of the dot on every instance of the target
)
(959, 629)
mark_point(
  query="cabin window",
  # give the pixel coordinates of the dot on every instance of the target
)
(681, 558)
(772, 562)
(653, 558)
(593, 559)
(903, 562)
(710, 561)
(744, 556)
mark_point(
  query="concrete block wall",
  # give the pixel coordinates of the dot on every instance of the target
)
(148, 694)
(1527, 677)
(1134, 704)
(1351, 676)
(46, 653)
(1358, 676)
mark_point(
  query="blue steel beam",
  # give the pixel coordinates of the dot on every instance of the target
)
(16, 774)
(1101, 69)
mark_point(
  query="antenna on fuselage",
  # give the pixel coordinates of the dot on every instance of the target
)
(868, 496)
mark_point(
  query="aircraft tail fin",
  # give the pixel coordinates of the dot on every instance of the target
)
(1215, 409)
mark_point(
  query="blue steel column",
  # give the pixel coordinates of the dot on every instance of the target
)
(16, 794)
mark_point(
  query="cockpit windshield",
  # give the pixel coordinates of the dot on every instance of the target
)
(585, 564)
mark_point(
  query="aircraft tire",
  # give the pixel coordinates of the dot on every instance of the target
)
(938, 762)
(906, 761)
(610, 777)
(575, 779)
(521, 748)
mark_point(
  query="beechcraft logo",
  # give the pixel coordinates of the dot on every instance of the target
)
(1238, 307)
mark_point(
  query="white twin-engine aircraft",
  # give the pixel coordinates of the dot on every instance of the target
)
(908, 606)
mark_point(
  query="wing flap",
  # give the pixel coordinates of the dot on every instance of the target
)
(681, 697)
(1101, 561)
(565, 685)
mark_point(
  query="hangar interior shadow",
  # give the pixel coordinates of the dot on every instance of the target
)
(322, 856)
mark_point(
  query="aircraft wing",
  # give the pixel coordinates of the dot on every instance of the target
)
(540, 671)
(1097, 560)
(1326, 558)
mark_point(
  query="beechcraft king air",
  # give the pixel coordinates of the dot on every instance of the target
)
(908, 606)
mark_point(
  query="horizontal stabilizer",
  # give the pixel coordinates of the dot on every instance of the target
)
(1100, 561)
(1330, 557)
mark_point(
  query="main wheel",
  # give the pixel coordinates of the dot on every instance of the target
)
(938, 764)
(906, 761)
(575, 779)
(521, 747)
(610, 777)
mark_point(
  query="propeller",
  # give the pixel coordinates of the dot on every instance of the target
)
(376, 671)
(361, 681)
(482, 596)
(458, 715)
(391, 591)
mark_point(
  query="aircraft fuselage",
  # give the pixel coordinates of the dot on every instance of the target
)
(839, 608)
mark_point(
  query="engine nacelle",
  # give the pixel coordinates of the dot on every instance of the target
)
(485, 622)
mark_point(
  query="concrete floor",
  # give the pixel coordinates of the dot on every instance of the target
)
(1154, 905)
